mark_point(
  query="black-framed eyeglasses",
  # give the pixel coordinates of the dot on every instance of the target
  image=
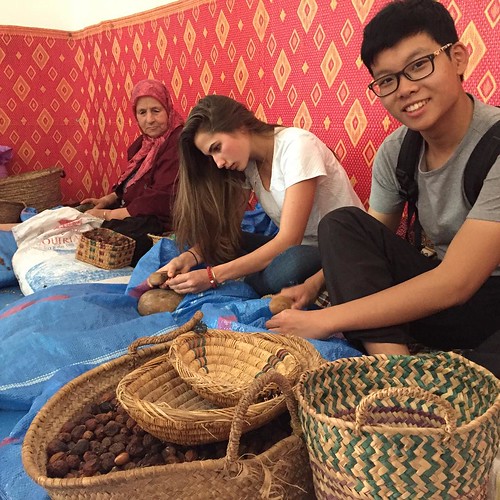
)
(416, 70)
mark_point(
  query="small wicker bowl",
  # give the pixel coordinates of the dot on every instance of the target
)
(221, 365)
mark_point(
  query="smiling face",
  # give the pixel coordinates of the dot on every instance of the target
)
(151, 116)
(426, 104)
(228, 150)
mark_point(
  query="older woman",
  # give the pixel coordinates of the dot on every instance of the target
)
(142, 199)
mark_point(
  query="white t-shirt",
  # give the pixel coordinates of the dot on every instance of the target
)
(298, 156)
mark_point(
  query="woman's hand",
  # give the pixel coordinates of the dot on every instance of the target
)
(103, 202)
(307, 292)
(191, 282)
(307, 324)
(178, 265)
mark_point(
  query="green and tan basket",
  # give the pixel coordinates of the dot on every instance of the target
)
(387, 427)
(280, 472)
(40, 189)
(105, 248)
(220, 365)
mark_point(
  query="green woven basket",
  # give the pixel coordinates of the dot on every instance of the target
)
(405, 427)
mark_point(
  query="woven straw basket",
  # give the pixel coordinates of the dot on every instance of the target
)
(40, 189)
(10, 211)
(162, 403)
(410, 427)
(220, 365)
(93, 249)
(280, 472)
(155, 238)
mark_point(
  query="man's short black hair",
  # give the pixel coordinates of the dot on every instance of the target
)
(401, 19)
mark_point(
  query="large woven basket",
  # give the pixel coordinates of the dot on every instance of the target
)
(40, 189)
(10, 211)
(105, 248)
(410, 427)
(166, 406)
(280, 472)
(220, 365)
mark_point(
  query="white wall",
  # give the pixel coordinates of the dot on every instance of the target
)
(70, 15)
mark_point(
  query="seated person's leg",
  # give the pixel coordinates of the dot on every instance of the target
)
(361, 256)
(291, 267)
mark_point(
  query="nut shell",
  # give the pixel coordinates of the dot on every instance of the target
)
(279, 303)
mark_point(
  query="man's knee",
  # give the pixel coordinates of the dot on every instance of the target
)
(337, 218)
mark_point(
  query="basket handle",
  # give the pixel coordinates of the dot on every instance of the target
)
(248, 398)
(367, 402)
(167, 337)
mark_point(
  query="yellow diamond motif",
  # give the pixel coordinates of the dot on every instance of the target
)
(386, 123)
(84, 121)
(21, 88)
(206, 78)
(68, 151)
(2, 55)
(116, 50)
(303, 118)
(282, 70)
(241, 75)
(112, 154)
(4, 121)
(307, 11)
(492, 13)
(355, 122)
(161, 42)
(327, 122)
(362, 8)
(109, 87)
(331, 64)
(101, 121)
(222, 28)
(472, 39)
(97, 54)
(260, 20)
(45, 120)
(369, 153)
(189, 36)
(40, 56)
(120, 121)
(260, 113)
(176, 82)
(137, 47)
(487, 86)
(64, 89)
(26, 152)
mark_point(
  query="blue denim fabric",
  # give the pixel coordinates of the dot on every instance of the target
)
(291, 267)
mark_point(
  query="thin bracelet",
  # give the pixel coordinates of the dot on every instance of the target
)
(212, 278)
(104, 215)
(194, 255)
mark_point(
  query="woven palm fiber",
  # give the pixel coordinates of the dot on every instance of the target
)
(10, 211)
(40, 189)
(405, 427)
(220, 365)
(281, 472)
(167, 407)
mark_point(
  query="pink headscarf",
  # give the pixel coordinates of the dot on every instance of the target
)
(150, 145)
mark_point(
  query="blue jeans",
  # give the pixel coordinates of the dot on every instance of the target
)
(291, 267)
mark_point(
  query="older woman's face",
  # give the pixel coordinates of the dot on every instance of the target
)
(151, 116)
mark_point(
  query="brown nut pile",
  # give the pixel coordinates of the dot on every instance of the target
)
(103, 438)
(106, 237)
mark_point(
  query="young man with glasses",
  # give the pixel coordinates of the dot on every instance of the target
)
(386, 294)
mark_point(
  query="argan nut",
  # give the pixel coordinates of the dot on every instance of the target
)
(55, 446)
(158, 300)
(122, 459)
(279, 303)
(57, 456)
(190, 455)
(57, 469)
(157, 278)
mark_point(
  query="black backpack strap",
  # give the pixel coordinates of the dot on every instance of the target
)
(408, 187)
(480, 162)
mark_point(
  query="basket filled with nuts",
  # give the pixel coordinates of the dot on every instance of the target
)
(220, 365)
(83, 444)
(105, 248)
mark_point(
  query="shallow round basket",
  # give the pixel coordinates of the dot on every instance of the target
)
(155, 238)
(10, 211)
(164, 405)
(220, 365)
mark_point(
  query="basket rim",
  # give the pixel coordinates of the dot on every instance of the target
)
(341, 423)
(14, 178)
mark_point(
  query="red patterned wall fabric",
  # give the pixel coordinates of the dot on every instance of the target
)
(64, 97)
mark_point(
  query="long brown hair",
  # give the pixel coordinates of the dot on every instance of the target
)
(210, 200)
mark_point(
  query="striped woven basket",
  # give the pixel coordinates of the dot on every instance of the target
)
(387, 427)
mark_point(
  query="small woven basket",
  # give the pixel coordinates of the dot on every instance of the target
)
(105, 248)
(155, 238)
(10, 211)
(40, 189)
(162, 403)
(280, 472)
(220, 365)
(387, 426)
